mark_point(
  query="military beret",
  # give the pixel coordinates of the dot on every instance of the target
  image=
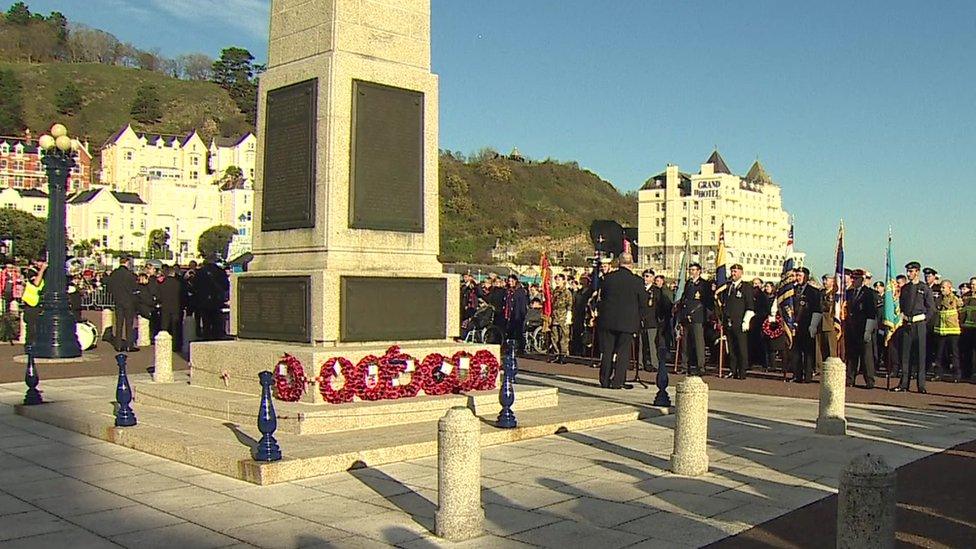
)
(913, 265)
(737, 266)
(858, 273)
(694, 265)
(803, 270)
(848, 271)
(930, 271)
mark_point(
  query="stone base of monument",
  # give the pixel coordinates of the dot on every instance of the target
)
(223, 444)
(305, 419)
(234, 365)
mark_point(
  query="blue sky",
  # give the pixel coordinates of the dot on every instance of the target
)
(864, 110)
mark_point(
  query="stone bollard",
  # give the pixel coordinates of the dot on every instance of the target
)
(831, 420)
(108, 321)
(691, 428)
(459, 513)
(142, 332)
(124, 416)
(866, 504)
(163, 360)
(22, 336)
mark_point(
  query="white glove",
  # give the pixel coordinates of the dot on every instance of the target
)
(746, 320)
(904, 317)
(815, 324)
(771, 318)
(869, 328)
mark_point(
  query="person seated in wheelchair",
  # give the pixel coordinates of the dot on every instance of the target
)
(483, 317)
(533, 317)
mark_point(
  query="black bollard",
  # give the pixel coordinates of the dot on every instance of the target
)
(124, 416)
(506, 395)
(33, 396)
(267, 449)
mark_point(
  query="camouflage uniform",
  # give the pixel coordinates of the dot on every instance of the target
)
(562, 306)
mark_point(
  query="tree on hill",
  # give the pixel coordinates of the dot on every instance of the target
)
(236, 72)
(18, 14)
(32, 37)
(12, 106)
(215, 241)
(28, 232)
(68, 99)
(195, 66)
(146, 105)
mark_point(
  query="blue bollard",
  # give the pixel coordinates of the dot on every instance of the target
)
(124, 416)
(506, 395)
(268, 449)
(33, 396)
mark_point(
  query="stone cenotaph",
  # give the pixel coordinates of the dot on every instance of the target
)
(345, 236)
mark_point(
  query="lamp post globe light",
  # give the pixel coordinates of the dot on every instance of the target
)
(55, 335)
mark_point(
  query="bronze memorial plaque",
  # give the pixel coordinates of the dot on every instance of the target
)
(288, 199)
(392, 309)
(386, 164)
(275, 307)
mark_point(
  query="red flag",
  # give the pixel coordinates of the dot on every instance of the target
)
(546, 285)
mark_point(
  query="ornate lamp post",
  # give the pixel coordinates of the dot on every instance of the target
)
(55, 334)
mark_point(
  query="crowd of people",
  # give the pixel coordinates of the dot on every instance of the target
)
(625, 319)
(166, 295)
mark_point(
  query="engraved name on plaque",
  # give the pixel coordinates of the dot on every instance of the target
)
(288, 193)
(386, 169)
(276, 308)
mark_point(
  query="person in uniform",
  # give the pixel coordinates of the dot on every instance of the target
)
(827, 334)
(695, 304)
(967, 341)
(738, 308)
(931, 342)
(650, 320)
(917, 305)
(807, 314)
(621, 305)
(562, 315)
(859, 329)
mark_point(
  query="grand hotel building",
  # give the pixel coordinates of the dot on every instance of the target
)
(678, 210)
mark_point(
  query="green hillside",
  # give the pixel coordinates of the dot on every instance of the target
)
(528, 204)
(107, 92)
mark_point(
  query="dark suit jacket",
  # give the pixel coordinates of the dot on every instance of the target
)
(736, 301)
(806, 302)
(622, 301)
(696, 301)
(121, 285)
(657, 305)
(169, 294)
(860, 307)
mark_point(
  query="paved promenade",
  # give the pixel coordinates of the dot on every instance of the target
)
(607, 487)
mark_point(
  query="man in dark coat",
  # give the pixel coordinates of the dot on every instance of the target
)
(169, 297)
(651, 318)
(859, 328)
(807, 314)
(211, 287)
(738, 308)
(121, 284)
(515, 308)
(623, 301)
(917, 306)
(695, 304)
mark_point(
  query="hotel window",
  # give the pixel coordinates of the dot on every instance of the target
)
(19, 165)
(38, 208)
(696, 205)
(195, 160)
(713, 235)
(3, 164)
(194, 175)
(128, 155)
(657, 222)
(713, 220)
(711, 204)
(684, 221)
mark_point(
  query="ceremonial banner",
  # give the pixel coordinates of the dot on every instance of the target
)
(783, 306)
(892, 312)
(721, 273)
(840, 311)
(546, 271)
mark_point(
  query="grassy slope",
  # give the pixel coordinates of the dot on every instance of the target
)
(538, 199)
(107, 93)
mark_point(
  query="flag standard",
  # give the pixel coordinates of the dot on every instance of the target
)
(840, 298)
(721, 270)
(546, 285)
(892, 310)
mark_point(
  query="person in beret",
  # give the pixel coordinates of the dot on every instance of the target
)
(917, 306)
(859, 327)
(694, 306)
(738, 308)
(807, 314)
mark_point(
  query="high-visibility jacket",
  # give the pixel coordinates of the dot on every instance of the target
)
(968, 312)
(948, 322)
(32, 293)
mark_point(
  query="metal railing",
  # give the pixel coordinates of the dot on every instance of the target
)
(96, 298)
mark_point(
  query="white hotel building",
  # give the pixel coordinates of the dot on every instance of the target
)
(677, 209)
